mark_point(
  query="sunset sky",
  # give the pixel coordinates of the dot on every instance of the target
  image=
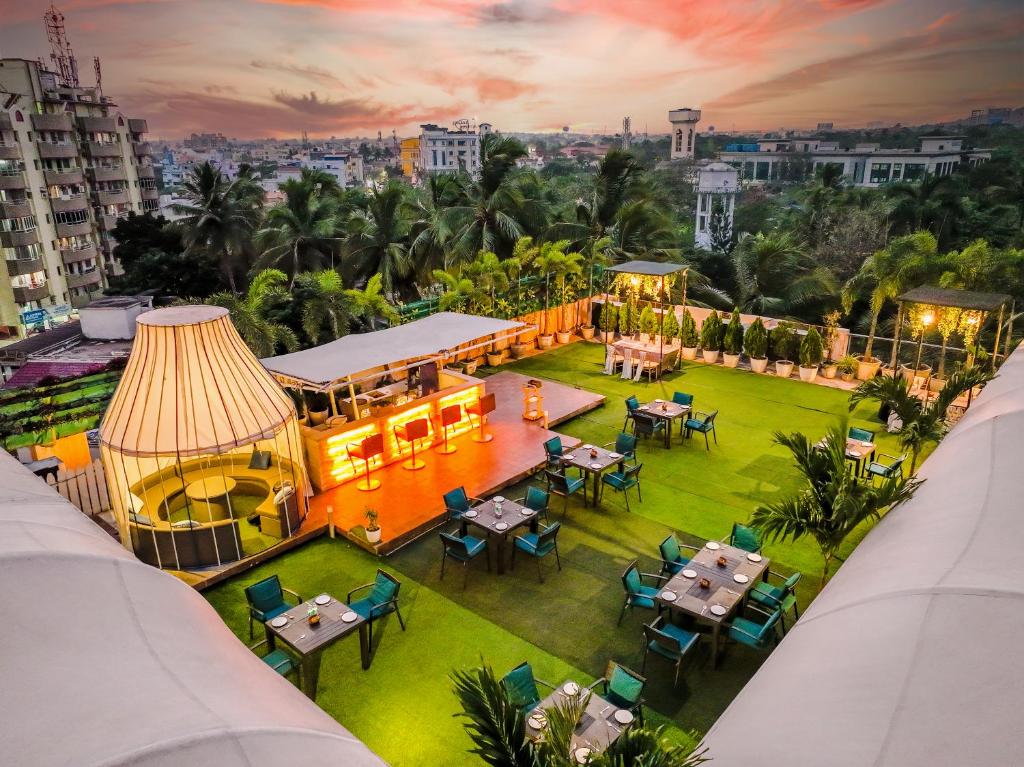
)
(352, 67)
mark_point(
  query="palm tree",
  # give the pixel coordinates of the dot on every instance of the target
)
(643, 229)
(1011, 191)
(250, 313)
(927, 204)
(218, 217)
(376, 241)
(832, 502)
(430, 230)
(618, 181)
(553, 262)
(302, 232)
(498, 730)
(489, 274)
(773, 275)
(325, 303)
(923, 421)
(370, 303)
(460, 294)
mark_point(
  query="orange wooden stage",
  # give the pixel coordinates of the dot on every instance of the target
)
(409, 502)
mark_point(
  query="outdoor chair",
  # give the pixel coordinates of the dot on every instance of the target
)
(760, 636)
(886, 470)
(682, 398)
(366, 450)
(861, 435)
(553, 452)
(670, 642)
(743, 537)
(632, 403)
(560, 484)
(521, 686)
(538, 546)
(280, 660)
(650, 367)
(668, 363)
(672, 559)
(463, 549)
(536, 498)
(412, 432)
(624, 445)
(381, 601)
(645, 425)
(623, 481)
(627, 364)
(639, 594)
(641, 362)
(703, 424)
(266, 600)
(623, 688)
(781, 598)
(481, 408)
(613, 359)
(457, 503)
(450, 417)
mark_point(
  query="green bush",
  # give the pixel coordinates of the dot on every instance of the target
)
(755, 342)
(847, 364)
(711, 331)
(812, 350)
(648, 321)
(733, 340)
(628, 318)
(783, 342)
(609, 317)
(688, 331)
(669, 326)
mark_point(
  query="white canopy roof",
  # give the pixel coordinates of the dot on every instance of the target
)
(911, 655)
(107, 661)
(353, 354)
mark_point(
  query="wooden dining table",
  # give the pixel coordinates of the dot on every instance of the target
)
(668, 412)
(593, 460)
(597, 728)
(514, 516)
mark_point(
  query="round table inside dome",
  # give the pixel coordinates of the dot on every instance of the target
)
(209, 488)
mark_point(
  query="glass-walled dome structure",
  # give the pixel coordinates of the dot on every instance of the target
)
(200, 445)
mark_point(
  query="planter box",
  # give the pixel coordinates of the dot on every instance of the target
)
(807, 375)
(759, 365)
(710, 357)
(495, 358)
(784, 369)
(689, 352)
(730, 360)
(607, 337)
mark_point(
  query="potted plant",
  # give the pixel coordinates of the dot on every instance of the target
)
(648, 324)
(711, 331)
(669, 326)
(628, 318)
(732, 341)
(847, 367)
(609, 320)
(755, 344)
(587, 332)
(783, 345)
(811, 353)
(688, 336)
(519, 349)
(495, 357)
(372, 528)
(828, 339)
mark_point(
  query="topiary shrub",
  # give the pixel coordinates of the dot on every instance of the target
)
(609, 317)
(628, 318)
(733, 339)
(688, 331)
(783, 342)
(755, 342)
(812, 349)
(669, 326)
(648, 321)
(711, 332)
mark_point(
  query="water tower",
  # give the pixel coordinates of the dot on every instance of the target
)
(684, 132)
(717, 187)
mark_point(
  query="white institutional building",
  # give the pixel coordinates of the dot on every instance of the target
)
(449, 151)
(684, 132)
(717, 187)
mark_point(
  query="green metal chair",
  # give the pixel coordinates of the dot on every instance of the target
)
(672, 559)
(381, 601)
(521, 686)
(886, 470)
(781, 598)
(743, 537)
(623, 688)
(457, 503)
(639, 594)
(670, 642)
(538, 546)
(266, 600)
(536, 498)
(553, 451)
(632, 403)
(646, 425)
(703, 424)
(463, 549)
(624, 481)
(624, 445)
(861, 435)
(682, 398)
(760, 636)
(559, 484)
(280, 660)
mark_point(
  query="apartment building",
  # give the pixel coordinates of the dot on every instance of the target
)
(71, 165)
(449, 151)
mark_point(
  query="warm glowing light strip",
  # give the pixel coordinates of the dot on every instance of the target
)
(400, 448)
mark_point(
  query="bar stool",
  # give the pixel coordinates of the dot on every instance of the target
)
(486, 404)
(450, 416)
(366, 451)
(418, 428)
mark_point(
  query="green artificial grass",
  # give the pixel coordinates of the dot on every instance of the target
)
(403, 706)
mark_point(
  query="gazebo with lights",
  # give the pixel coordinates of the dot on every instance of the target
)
(651, 278)
(200, 445)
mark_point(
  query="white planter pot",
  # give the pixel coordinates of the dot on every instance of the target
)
(563, 336)
(710, 357)
(829, 371)
(807, 375)
(783, 369)
(373, 536)
(866, 369)
(607, 337)
(587, 331)
(545, 342)
(759, 365)
(730, 360)
(689, 352)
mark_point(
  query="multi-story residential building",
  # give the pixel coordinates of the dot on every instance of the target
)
(347, 167)
(410, 149)
(449, 151)
(71, 165)
(866, 165)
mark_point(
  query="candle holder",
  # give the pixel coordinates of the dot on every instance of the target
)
(313, 615)
(664, 406)
(593, 453)
(497, 509)
(704, 583)
(722, 561)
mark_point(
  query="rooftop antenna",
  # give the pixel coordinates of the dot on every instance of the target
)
(99, 74)
(60, 49)
(627, 135)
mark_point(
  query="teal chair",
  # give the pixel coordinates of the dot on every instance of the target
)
(553, 451)
(623, 481)
(672, 559)
(670, 642)
(632, 403)
(781, 598)
(538, 546)
(743, 537)
(457, 503)
(703, 423)
(624, 445)
(861, 435)
(280, 660)
(521, 686)
(559, 484)
(463, 549)
(760, 636)
(646, 425)
(623, 688)
(638, 593)
(536, 498)
(381, 601)
(266, 600)
(886, 470)
(682, 398)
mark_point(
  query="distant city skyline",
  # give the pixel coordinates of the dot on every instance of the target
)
(353, 67)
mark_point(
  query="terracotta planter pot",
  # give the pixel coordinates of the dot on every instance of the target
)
(759, 365)
(935, 384)
(910, 374)
(469, 367)
(545, 342)
(807, 375)
(519, 350)
(784, 368)
(867, 369)
(587, 331)
(563, 336)
(730, 360)
(494, 358)
(829, 371)
(710, 357)
(846, 377)
(689, 352)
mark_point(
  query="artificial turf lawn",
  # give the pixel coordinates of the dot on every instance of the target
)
(403, 706)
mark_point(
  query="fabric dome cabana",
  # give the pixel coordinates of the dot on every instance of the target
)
(200, 445)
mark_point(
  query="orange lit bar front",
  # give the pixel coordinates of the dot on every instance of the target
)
(326, 446)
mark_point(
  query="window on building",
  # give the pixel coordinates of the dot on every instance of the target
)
(880, 172)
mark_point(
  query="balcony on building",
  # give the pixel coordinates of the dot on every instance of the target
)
(107, 221)
(9, 150)
(138, 126)
(112, 197)
(27, 295)
(27, 265)
(146, 171)
(52, 122)
(12, 179)
(69, 202)
(143, 149)
(51, 151)
(150, 194)
(63, 177)
(109, 174)
(5, 121)
(15, 208)
(74, 255)
(91, 277)
(16, 239)
(103, 149)
(97, 124)
(74, 230)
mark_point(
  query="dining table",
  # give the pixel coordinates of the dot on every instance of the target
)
(601, 722)
(857, 451)
(667, 411)
(498, 518)
(635, 352)
(593, 460)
